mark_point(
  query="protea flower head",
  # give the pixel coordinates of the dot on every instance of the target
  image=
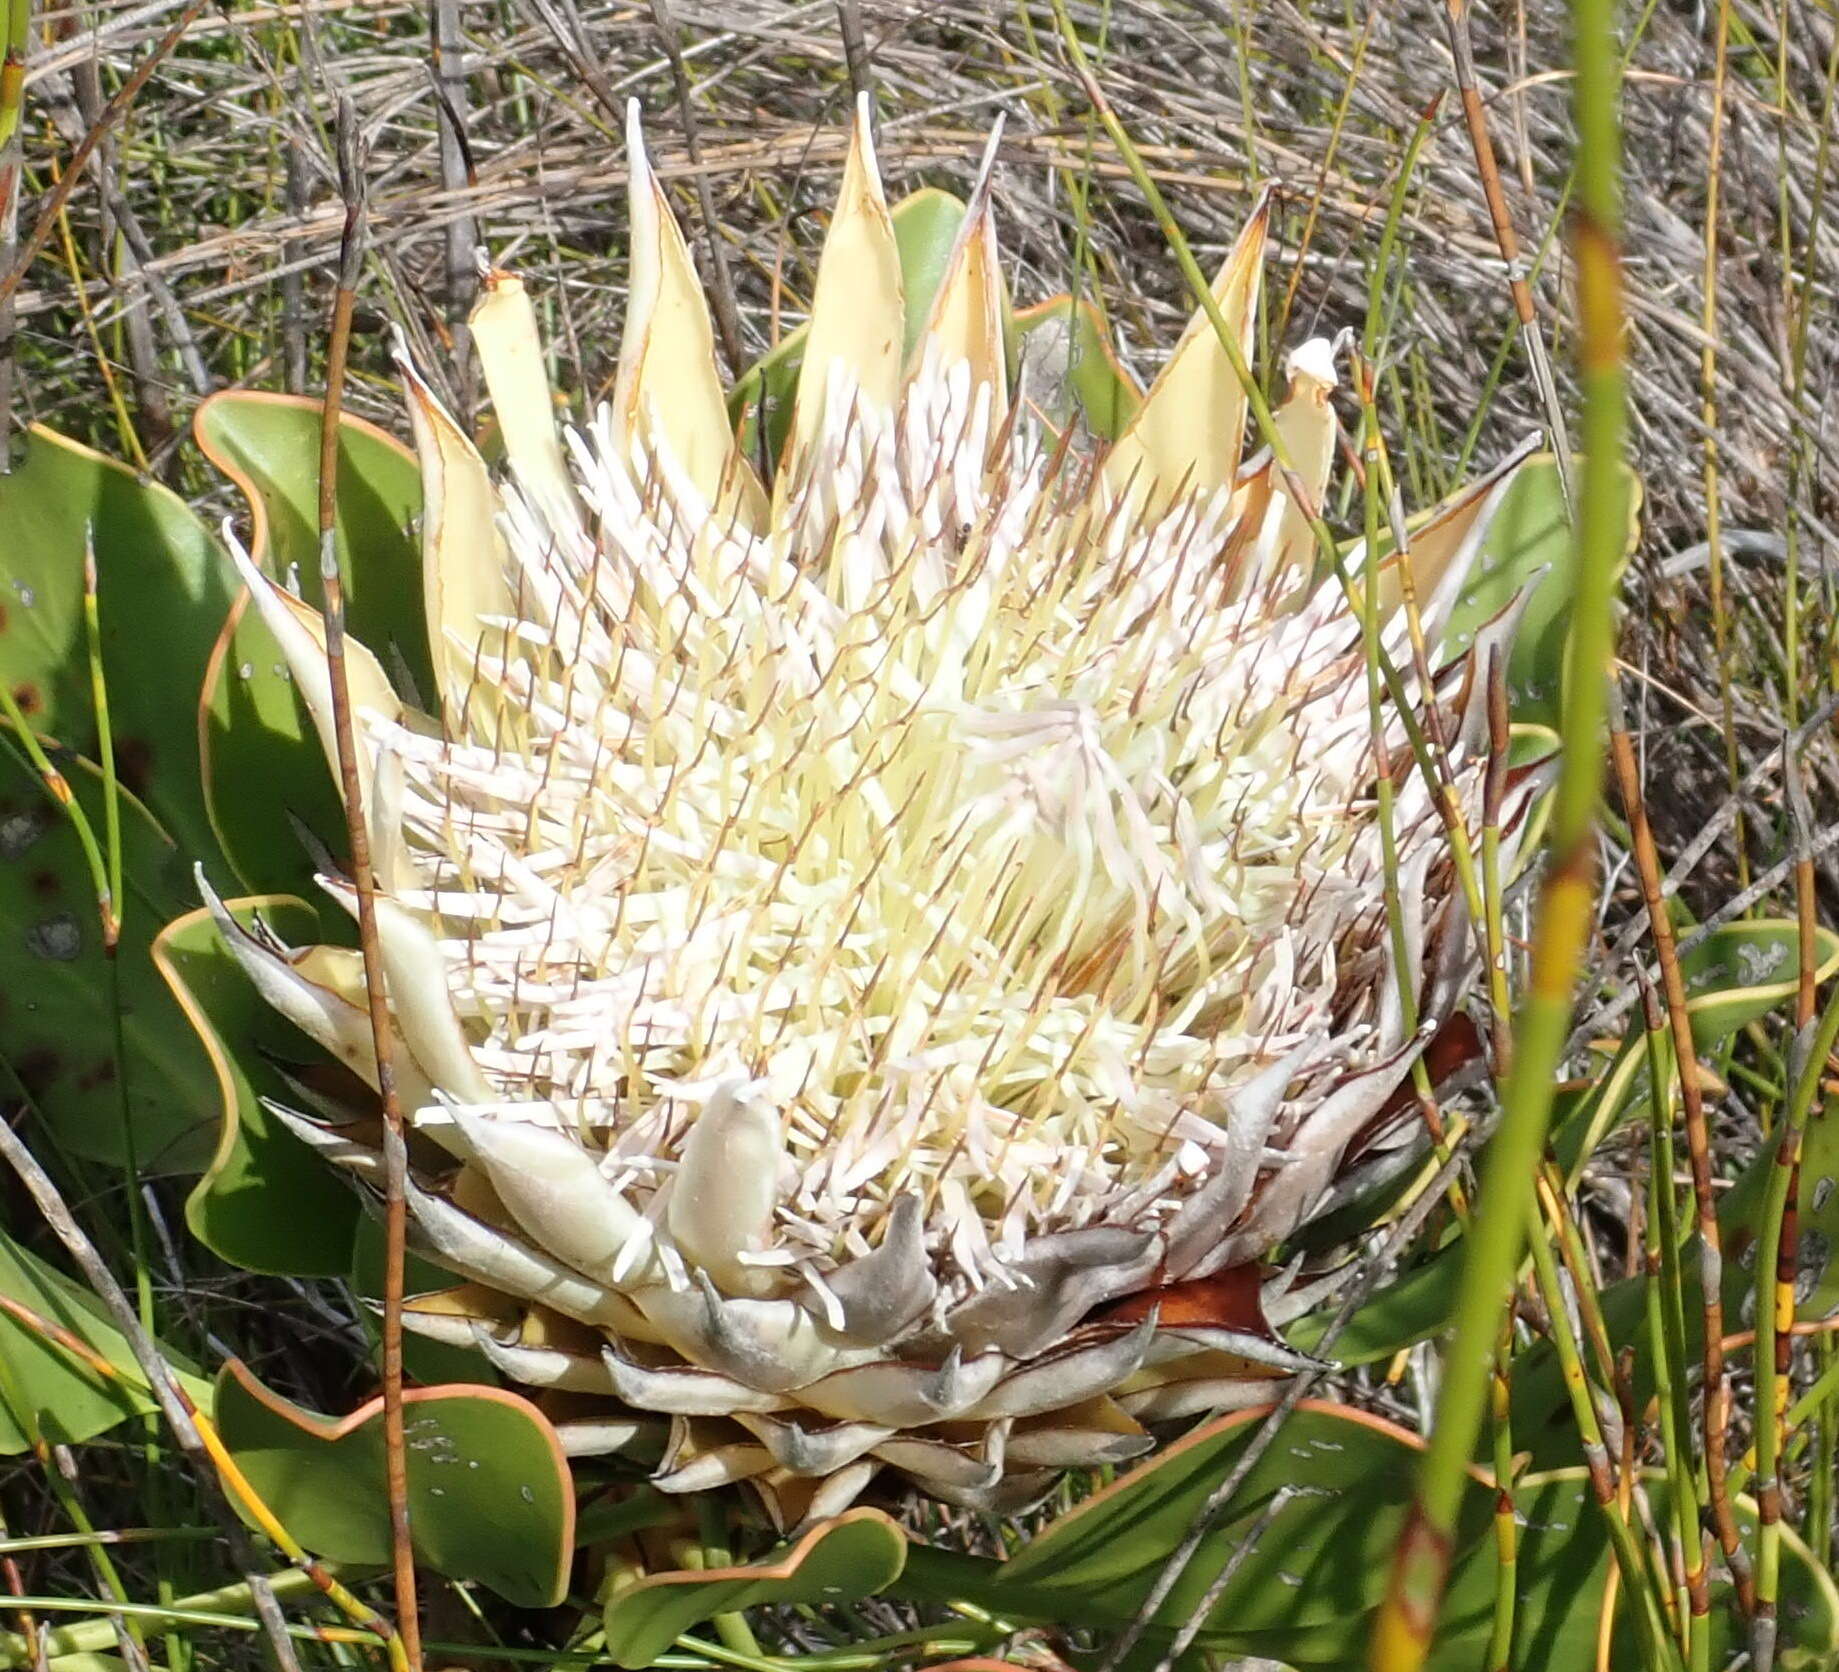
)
(879, 962)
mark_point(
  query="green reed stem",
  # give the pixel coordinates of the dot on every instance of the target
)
(1407, 1619)
(1506, 1526)
(15, 38)
(138, 1240)
(1818, 1527)
(1775, 1320)
(1657, 1647)
(1666, 1317)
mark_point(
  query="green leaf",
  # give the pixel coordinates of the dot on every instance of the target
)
(268, 445)
(161, 589)
(1742, 971)
(1735, 976)
(262, 764)
(1313, 1526)
(925, 227)
(56, 1022)
(624, 1510)
(1530, 533)
(263, 759)
(490, 1497)
(1077, 364)
(266, 1202)
(856, 1555)
(1409, 1309)
(1311, 1529)
(1817, 1282)
(1336, 1484)
(44, 1387)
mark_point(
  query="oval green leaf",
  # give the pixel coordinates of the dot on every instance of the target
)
(262, 762)
(1529, 545)
(490, 1497)
(1335, 1486)
(839, 1561)
(925, 228)
(162, 590)
(1068, 360)
(265, 1202)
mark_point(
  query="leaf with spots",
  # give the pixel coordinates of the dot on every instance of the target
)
(1563, 1576)
(490, 1496)
(1816, 1289)
(1310, 1533)
(56, 1032)
(162, 591)
(1326, 1501)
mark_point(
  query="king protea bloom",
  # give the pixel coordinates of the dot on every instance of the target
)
(879, 962)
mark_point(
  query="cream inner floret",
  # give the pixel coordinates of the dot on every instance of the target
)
(982, 838)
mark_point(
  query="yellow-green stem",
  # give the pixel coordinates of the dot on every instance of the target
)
(1407, 1618)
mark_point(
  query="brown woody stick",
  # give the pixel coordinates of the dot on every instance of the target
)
(332, 603)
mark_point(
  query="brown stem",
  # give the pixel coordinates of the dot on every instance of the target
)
(1456, 20)
(1698, 1144)
(332, 602)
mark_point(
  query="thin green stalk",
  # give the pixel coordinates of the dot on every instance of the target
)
(1657, 1647)
(25, 1414)
(733, 1629)
(1799, 452)
(105, 731)
(111, 914)
(108, 1535)
(1666, 1309)
(1376, 480)
(1817, 1529)
(1506, 1526)
(405, 1637)
(57, 786)
(1407, 1619)
(1259, 405)
(1387, 791)
(1280, 326)
(1823, 1391)
(1775, 1320)
(1708, 412)
(15, 38)
(138, 1240)
(1493, 883)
